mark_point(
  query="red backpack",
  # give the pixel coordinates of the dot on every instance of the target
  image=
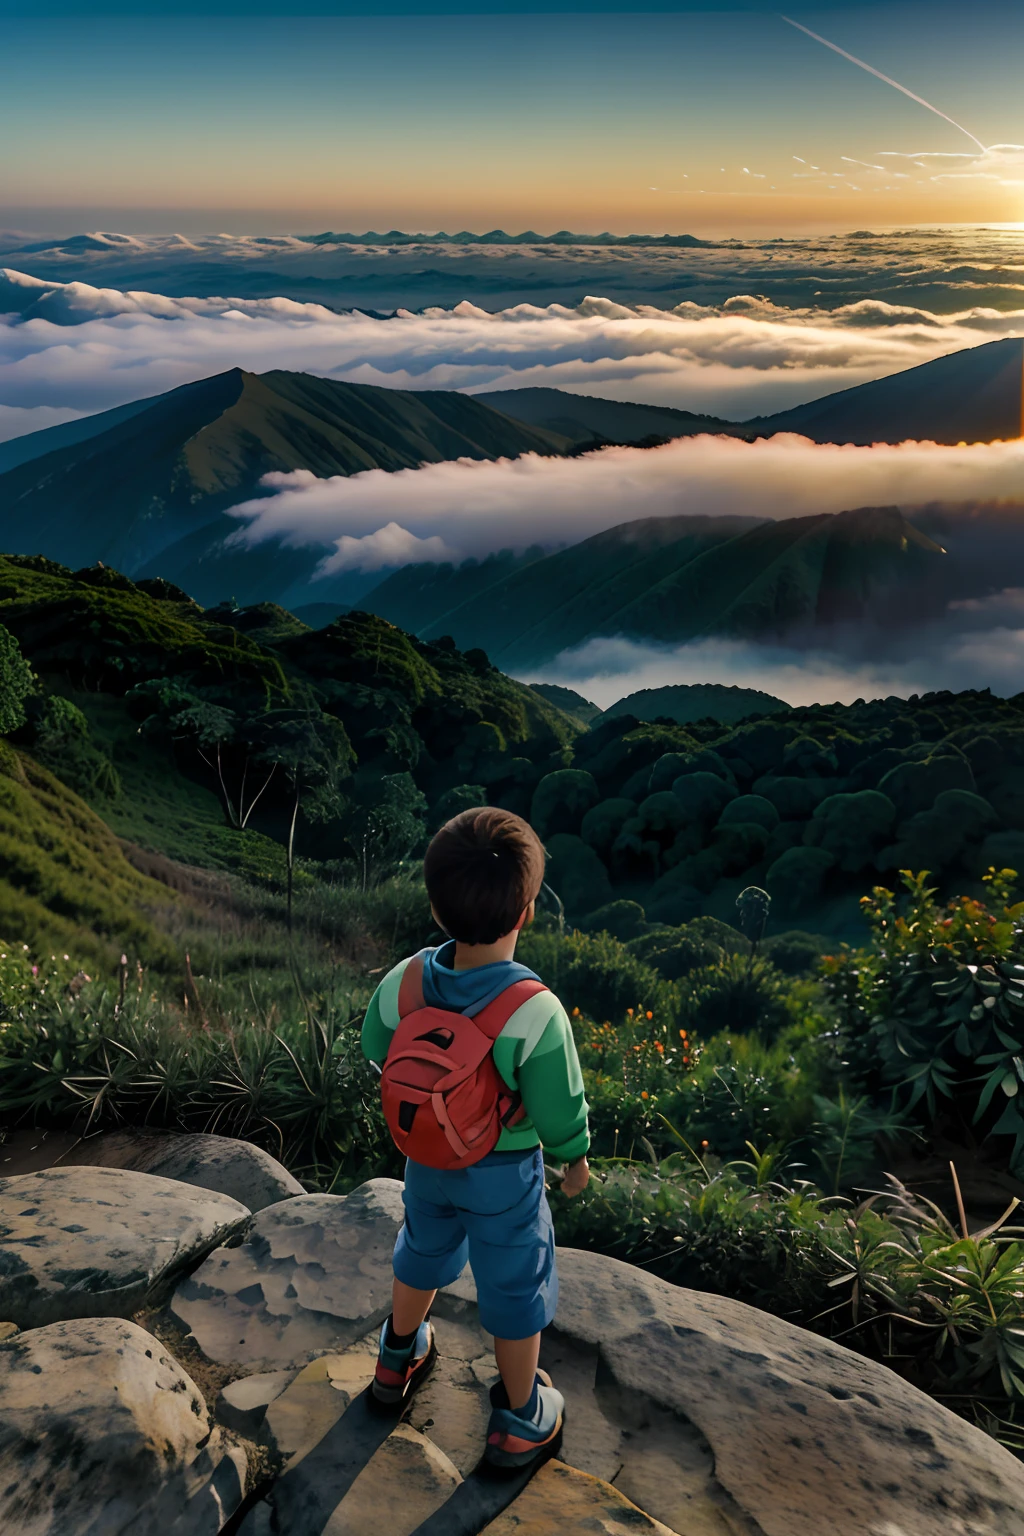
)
(444, 1100)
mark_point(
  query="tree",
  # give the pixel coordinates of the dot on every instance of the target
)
(315, 755)
(16, 683)
(388, 824)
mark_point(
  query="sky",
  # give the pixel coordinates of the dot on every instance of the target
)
(731, 121)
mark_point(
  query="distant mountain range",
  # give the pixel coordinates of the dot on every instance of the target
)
(147, 488)
(674, 579)
(973, 396)
(688, 702)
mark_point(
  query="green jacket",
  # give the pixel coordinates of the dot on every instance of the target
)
(536, 1057)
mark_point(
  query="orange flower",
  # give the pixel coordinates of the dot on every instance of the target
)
(575, 1013)
(645, 1094)
(682, 1034)
(704, 1146)
(650, 1015)
(659, 1047)
(629, 1013)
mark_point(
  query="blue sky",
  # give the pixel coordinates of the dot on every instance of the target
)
(674, 119)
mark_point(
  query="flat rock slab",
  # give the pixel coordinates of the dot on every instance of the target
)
(806, 1436)
(417, 1477)
(312, 1276)
(97, 1242)
(219, 1163)
(97, 1424)
(561, 1499)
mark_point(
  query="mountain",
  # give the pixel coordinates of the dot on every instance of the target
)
(971, 396)
(675, 579)
(148, 493)
(688, 702)
(568, 701)
(586, 419)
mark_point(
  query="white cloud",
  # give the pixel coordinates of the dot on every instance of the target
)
(74, 347)
(481, 506)
(390, 545)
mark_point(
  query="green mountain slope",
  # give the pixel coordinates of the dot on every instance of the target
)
(584, 418)
(678, 578)
(972, 396)
(688, 702)
(159, 481)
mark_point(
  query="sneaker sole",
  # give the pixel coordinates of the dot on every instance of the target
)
(390, 1403)
(508, 1463)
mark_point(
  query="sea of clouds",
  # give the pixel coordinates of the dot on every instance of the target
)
(70, 349)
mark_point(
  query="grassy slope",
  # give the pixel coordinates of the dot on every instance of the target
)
(66, 883)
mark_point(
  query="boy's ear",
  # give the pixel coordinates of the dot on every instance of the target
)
(526, 917)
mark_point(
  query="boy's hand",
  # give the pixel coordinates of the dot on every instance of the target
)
(576, 1177)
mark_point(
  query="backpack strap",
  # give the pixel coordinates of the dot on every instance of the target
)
(492, 1019)
(410, 988)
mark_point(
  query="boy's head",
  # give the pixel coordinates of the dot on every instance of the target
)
(483, 869)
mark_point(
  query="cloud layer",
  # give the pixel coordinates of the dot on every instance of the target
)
(477, 507)
(76, 348)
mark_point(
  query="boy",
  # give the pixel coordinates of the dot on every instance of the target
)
(484, 871)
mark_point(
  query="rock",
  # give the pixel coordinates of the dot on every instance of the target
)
(860, 1450)
(97, 1425)
(298, 1418)
(215, 1499)
(313, 1275)
(418, 1477)
(242, 1405)
(98, 1242)
(219, 1163)
(7, 1331)
(560, 1499)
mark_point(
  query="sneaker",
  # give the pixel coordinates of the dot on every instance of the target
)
(513, 1442)
(400, 1371)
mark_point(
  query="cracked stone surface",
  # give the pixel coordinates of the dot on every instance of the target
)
(564, 1500)
(409, 1461)
(220, 1163)
(98, 1242)
(101, 1431)
(701, 1414)
(312, 1275)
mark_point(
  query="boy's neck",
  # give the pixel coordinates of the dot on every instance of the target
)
(469, 955)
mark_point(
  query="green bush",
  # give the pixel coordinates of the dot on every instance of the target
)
(794, 798)
(940, 838)
(603, 823)
(794, 881)
(738, 994)
(561, 800)
(795, 954)
(595, 974)
(750, 808)
(577, 874)
(914, 786)
(675, 952)
(703, 796)
(622, 919)
(461, 797)
(852, 828)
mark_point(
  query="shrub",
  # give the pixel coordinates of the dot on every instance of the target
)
(852, 828)
(750, 808)
(939, 838)
(561, 800)
(666, 770)
(794, 881)
(676, 897)
(603, 823)
(622, 919)
(461, 797)
(793, 798)
(16, 683)
(914, 786)
(739, 845)
(703, 796)
(795, 954)
(577, 874)
(596, 974)
(736, 995)
(675, 952)
(934, 1007)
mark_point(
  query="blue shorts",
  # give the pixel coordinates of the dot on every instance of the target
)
(496, 1215)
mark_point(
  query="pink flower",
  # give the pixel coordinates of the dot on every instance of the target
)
(35, 970)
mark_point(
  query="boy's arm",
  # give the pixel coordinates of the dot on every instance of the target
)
(547, 1072)
(381, 1018)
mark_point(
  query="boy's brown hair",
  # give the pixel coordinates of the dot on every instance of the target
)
(482, 869)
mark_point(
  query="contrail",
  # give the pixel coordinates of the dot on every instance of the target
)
(879, 76)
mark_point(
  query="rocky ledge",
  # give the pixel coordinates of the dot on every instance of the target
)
(687, 1414)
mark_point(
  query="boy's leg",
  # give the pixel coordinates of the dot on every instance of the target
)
(517, 1364)
(408, 1307)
